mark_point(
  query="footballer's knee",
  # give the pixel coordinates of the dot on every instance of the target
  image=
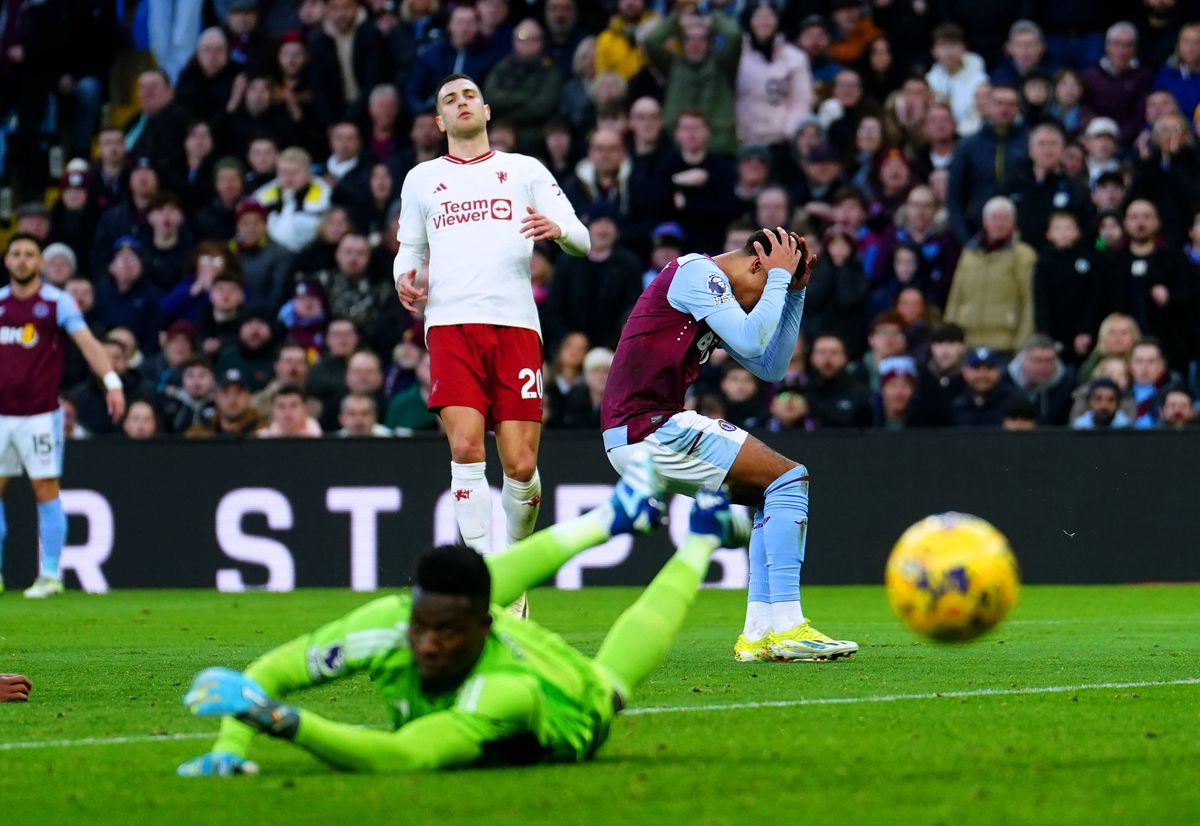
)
(44, 490)
(467, 450)
(521, 468)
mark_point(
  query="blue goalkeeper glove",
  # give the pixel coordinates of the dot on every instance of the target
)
(637, 499)
(217, 764)
(713, 516)
(222, 691)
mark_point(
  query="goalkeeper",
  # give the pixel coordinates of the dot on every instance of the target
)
(465, 683)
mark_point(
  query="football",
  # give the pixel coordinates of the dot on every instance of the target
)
(951, 577)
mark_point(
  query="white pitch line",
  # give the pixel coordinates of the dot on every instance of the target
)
(106, 741)
(812, 701)
(892, 698)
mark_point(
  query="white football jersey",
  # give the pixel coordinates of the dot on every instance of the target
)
(469, 213)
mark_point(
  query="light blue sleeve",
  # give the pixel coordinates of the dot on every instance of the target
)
(701, 289)
(69, 316)
(772, 364)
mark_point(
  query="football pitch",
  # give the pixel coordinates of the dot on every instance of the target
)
(1083, 707)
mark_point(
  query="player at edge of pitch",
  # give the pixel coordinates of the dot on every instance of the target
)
(476, 213)
(33, 319)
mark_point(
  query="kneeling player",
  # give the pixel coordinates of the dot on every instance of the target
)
(750, 302)
(465, 682)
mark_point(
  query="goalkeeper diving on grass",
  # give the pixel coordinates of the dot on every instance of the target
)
(466, 684)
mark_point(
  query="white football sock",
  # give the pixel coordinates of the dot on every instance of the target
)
(786, 615)
(758, 621)
(472, 504)
(521, 501)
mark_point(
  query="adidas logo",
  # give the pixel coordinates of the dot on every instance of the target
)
(440, 188)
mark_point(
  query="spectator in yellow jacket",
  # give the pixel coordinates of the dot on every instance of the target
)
(991, 296)
(618, 47)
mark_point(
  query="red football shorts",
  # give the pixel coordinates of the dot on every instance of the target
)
(495, 370)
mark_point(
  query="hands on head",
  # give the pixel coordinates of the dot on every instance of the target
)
(789, 251)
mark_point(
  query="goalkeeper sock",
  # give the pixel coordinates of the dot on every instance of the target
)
(642, 636)
(3, 534)
(52, 530)
(521, 502)
(758, 595)
(785, 532)
(472, 504)
(535, 559)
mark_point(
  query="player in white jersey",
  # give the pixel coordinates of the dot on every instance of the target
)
(476, 214)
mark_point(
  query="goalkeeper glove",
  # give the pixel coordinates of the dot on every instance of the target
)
(222, 691)
(217, 764)
(636, 503)
(712, 515)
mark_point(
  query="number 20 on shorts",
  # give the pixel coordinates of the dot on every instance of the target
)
(532, 387)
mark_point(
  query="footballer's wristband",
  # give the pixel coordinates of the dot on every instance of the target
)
(112, 381)
(274, 719)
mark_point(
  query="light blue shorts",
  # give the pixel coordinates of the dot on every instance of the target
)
(690, 451)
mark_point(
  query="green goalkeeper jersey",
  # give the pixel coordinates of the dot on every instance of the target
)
(529, 698)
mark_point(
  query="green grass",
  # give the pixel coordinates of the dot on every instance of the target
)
(116, 666)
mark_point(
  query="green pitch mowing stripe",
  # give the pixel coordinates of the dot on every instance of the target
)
(1082, 709)
(816, 701)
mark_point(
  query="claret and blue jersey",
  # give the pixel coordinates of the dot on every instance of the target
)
(33, 344)
(688, 310)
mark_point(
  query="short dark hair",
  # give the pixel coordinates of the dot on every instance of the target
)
(22, 236)
(166, 78)
(851, 193)
(1177, 388)
(456, 570)
(289, 390)
(195, 361)
(764, 238)
(165, 199)
(1022, 408)
(948, 33)
(450, 78)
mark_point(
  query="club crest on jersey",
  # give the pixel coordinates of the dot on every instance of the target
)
(326, 662)
(502, 175)
(25, 336)
(719, 289)
(41, 310)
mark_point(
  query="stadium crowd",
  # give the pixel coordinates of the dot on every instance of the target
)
(1005, 197)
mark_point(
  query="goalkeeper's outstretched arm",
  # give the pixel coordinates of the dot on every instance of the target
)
(312, 658)
(250, 702)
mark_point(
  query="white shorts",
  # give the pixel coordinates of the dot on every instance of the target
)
(690, 451)
(34, 443)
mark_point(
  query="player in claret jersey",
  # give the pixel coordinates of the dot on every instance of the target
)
(477, 214)
(33, 319)
(750, 302)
